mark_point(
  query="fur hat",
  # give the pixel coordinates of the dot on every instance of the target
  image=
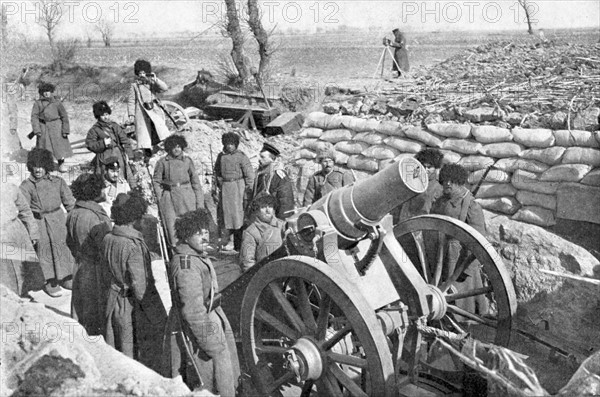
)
(454, 173)
(261, 201)
(230, 138)
(45, 87)
(142, 65)
(191, 223)
(87, 187)
(101, 107)
(128, 208)
(175, 140)
(430, 156)
(326, 154)
(40, 158)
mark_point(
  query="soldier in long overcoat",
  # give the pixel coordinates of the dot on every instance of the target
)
(176, 184)
(50, 123)
(264, 235)
(400, 63)
(458, 202)
(143, 109)
(87, 224)
(272, 179)
(135, 316)
(47, 195)
(205, 323)
(235, 179)
(107, 139)
(18, 234)
(326, 180)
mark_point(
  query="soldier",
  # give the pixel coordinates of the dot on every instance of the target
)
(264, 236)
(46, 195)
(235, 179)
(114, 183)
(421, 204)
(19, 234)
(50, 123)
(134, 311)
(108, 140)
(195, 285)
(176, 184)
(458, 202)
(87, 224)
(400, 63)
(326, 180)
(272, 179)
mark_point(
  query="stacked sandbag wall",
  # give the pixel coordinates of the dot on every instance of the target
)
(531, 167)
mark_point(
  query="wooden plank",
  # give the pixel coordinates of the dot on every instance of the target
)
(253, 96)
(285, 123)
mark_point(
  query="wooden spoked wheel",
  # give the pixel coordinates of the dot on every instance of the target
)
(470, 275)
(307, 331)
(178, 115)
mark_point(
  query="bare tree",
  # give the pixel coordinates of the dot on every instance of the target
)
(527, 8)
(50, 14)
(234, 31)
(265, 46)
(106, 27)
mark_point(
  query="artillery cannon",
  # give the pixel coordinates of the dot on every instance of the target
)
(350, 305)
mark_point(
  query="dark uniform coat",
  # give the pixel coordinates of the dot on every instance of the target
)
(235, 178)
(400, 54)
(420, 204)
(132, 298)
(321, 184)
(178, 188)
(87, 224)
(195, 283)
(274, 181)
(45, 197)
(49, 121)
(18, 229)
(463, 207)
(260, 240)
(150, 126)
(119, 147)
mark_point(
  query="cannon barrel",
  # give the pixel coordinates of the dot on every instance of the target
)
(367, 201)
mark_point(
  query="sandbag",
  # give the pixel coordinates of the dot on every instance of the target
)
(501, 150)
(315, 144)
(341, 158)
(512, 164)
(535, 215)
(525, 180)
(533, 137)
(463, 146)
(316, 120)
(386, 163)
(372, 138)
(547, 201)
(474, 163)
(575, 138)
(311, 132)
(592, 178)
(450, 157)
(335, 136)
(504, 205)
(306, 154)
(491, 134)
(494, 176)
(351, 147)
(566, 173)
(550, 156)
(403, 145)
(360, 125)
(380, 152)
(582, 155)
(487, 190)
(420, 135)
(360, 162)
(388, 127)
(448, 130)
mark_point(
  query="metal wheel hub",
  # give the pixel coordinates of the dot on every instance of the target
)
(438, 303)
(305, 360)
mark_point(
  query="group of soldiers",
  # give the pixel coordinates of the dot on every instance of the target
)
(92, 237)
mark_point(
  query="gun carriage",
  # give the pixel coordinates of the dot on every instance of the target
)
(351, 305)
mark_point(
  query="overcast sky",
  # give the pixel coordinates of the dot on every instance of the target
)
(164, 18)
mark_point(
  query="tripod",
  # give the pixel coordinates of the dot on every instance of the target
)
(386, 50)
